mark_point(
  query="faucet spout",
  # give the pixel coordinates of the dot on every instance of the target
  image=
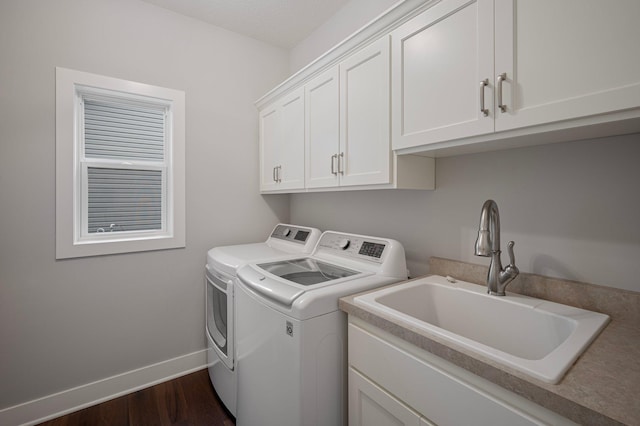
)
(489, 232)
(488, 245)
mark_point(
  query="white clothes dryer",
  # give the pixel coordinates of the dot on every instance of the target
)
(220, 274)
(291, 336)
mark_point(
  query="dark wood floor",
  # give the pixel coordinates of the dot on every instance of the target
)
(187, 400)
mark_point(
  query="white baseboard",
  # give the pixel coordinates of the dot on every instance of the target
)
(68, 401)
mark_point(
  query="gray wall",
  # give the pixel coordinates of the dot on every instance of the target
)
(351, 17)
(572, 209)
(67, 323)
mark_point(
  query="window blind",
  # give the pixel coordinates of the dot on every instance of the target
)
(124, 198)
(123, 131)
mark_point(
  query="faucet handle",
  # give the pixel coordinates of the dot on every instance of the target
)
(509, 273)
(512, 257)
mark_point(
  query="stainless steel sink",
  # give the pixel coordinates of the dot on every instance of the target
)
(540, 338)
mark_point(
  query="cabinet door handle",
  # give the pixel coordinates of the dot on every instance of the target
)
(501, 77)
(333, 164)
(483, 84)
(341, 163)
(274, 174)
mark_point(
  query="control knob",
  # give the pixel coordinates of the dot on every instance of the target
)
(344, 243)
(286, 232)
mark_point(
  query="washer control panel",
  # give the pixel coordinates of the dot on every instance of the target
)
(353, 245)
(291, 233)
(369, 248)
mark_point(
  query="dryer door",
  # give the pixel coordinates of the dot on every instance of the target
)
(220, 315)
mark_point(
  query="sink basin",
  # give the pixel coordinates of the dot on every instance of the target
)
(537, 337)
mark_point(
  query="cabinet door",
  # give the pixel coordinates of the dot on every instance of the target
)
(441, 61)
(269, 141)
(437, 389)
(566, 59)
(322, 130)
(369, 405)
(365, 152)
(291, 147)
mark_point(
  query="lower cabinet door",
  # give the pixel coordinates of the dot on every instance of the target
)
(429, 386)
(370, 405)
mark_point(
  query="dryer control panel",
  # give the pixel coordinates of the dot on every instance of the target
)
(291, 233)
(350, 245)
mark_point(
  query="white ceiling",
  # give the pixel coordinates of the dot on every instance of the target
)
(282, 23)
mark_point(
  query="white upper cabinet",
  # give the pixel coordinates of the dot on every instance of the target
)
(365, 140)
(291, 173)
(268, 148)
(347, 128)
(442, 74)
(566, 59)
(347, 121)
(452, 77)
(471, 68)
(282, 143)
(322, 127)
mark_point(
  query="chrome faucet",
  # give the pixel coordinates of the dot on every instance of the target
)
(488, 245)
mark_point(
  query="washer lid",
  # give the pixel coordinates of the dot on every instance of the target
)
(278, 284)
(268, 286)
(306, 271)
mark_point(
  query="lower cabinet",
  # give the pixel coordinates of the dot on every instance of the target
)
(370, 405)
(392, 382)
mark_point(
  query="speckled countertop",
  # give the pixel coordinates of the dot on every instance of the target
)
(602, 387)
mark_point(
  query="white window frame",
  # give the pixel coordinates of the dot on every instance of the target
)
(72, 238)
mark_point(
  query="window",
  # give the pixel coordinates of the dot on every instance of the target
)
(119, 166)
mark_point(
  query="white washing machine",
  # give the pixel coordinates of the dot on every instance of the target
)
(291, 336)
(220, 273)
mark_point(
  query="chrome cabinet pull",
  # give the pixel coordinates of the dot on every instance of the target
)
(341, 163)
(483, 110)
(501, 77)
(333, 164)
(274, 174)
